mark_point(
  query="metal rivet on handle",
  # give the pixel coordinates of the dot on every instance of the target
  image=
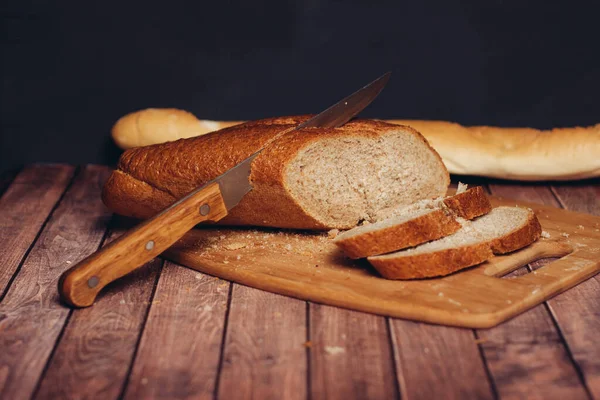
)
(150, 245)
(204, 209)
(93, 282)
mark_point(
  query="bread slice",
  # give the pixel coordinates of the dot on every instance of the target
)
(312, 178)
(419, 223)
(502, 230)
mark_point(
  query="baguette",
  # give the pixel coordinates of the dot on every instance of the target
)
(419, 223)
(508, 153)
(313, 178)
(502, 230)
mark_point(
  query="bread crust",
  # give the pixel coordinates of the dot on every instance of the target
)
(519, 238)
(507, 153)
(444, 262)
(149, 179)
(431, 226)
(421, 229)
(429, 265)
(469, 204)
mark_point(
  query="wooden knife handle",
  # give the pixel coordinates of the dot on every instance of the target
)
(79, 285)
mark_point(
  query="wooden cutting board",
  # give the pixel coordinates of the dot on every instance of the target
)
(308, 266)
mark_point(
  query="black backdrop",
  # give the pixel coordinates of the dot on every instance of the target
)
(70, 69)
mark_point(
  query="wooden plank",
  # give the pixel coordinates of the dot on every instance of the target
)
(264, 355)
(31, 317)
(179, 352)
(577, 309)
(24, 208)
(438, 362)
(350, 355)
(526, 355)
(97, 346)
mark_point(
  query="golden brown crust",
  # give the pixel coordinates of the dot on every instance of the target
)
(519, 238)
(171, 170)
(429, 265)
(469, 204)
(431, 226)
(423, 228)
(444, 262)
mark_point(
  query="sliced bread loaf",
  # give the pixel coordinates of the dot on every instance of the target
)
(312, 178)
(502, 230)
(410, 226)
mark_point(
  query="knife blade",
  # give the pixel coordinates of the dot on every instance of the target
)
(80, 285)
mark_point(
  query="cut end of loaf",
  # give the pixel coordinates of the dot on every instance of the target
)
(344, 181)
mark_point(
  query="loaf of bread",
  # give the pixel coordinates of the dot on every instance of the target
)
(418, 223)
(313, 178)
(502, 230)
(507, 153)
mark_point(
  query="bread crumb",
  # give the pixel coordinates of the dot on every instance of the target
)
(69, 262)
(564, 234)
(580, 227)
(426, 350)
(207, 308)
(545, 235)
(536, 290)
(508, 301)
(238, 257)
(198, 276)
(121, 301)
(333, 350)
(332, 234)
(441, 294)
(225, 262)
(235, 246)
(462, 187)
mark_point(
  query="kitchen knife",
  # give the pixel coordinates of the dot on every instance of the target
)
(80, 285)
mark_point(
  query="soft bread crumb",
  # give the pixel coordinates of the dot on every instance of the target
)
(333, 350)
(462, 187)
(565, 234)
(333, 233)
(545, 235)
(580, 227)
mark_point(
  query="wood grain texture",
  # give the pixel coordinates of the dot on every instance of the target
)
(438, 362)
(527, 358)
(351, 355)
(94, 353)
(310, 267)
(577, 310)
(25, 207)
(264, 355)
(139, 245)
(178, 354)
(31, 317)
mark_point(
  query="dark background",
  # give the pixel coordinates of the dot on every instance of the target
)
(70, 69)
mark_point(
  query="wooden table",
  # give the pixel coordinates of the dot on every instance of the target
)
(169, 332)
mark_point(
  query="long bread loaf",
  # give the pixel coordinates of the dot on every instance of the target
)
(507, 153)
(308, 179)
